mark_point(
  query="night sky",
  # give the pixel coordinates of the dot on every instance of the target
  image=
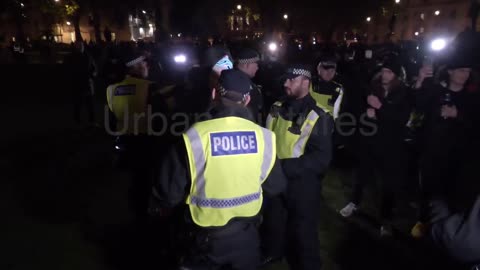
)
(197, 16)
(307, 15)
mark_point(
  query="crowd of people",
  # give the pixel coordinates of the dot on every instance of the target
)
(409, 124)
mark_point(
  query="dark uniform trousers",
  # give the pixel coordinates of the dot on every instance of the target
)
(303, 200)
(136, 158)
(235, 246)
(290, 225)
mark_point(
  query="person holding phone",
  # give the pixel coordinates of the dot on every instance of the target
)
(447, 111)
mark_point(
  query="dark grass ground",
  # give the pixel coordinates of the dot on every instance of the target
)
(64, 206)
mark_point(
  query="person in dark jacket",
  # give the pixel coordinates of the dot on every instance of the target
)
(304, 146)
(381, 148)
(222, 221)
(448, 123)
(81, 69)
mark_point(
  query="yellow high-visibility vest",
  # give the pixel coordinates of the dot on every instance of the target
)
(325, 103)
(128, 102)
(290, 143)
(229, 159)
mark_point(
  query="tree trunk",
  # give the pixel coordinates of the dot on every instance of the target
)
(96, 27)
(20, 30)
(162, 19)
(76, 25)
(158, 24)
(474, 10)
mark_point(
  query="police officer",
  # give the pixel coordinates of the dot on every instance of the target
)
(131, 102)
(304, 147)
(326, 89)
(130, 97)
(218, 173)
(247, 62)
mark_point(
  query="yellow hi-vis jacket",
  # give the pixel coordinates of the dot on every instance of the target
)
(290, 142)
(323, 100)
(128, 100)
(229, 159)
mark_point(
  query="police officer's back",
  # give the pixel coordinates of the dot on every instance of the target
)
(131, 104)
(218, 173)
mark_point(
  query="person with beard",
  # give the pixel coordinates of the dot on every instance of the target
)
(304, 147)
(381, 149)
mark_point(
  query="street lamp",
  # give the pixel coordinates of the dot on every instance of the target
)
(416, 33)
(397, 1)
(437, 12)
(239, 7)
(69, 23)
(144, 12)
(56, 1)
(369, 19)
(285, 16)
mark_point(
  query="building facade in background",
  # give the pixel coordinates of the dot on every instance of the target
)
(33, 20)
(417, 19)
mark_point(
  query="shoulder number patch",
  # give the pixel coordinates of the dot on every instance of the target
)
(125, 90)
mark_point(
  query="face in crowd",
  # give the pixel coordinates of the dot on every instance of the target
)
(297, 87)
(459, 76)
(140, 70)
(326, 74)
(250, 69)
(387, 76)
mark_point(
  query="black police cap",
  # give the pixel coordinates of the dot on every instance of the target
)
(296, 70)
(248, 56)
(234, 85)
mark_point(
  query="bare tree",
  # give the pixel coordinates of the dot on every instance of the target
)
(474, 11)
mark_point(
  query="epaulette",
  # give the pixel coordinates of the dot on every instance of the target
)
(275, 110)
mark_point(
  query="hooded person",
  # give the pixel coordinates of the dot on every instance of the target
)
(449, 113)
(381, 148)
